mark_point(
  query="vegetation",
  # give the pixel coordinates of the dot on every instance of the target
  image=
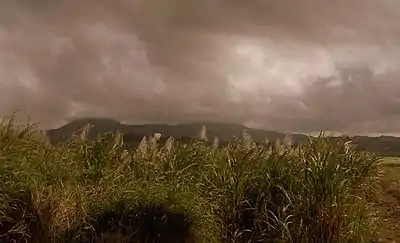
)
(97, 190)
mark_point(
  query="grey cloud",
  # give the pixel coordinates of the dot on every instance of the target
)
(174, 61)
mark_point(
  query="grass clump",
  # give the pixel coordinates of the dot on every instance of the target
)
(98, 191)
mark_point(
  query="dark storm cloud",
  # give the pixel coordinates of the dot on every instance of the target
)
(289, 65)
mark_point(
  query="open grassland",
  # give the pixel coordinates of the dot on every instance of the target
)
(391, 161)
(97, 191)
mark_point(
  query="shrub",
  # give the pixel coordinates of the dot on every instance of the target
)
(87, 190)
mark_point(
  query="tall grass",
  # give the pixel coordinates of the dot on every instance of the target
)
(97, 191)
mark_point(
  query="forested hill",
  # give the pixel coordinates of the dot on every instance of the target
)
(384, 145)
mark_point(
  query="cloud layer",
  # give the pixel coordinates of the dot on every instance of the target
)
(287, 65)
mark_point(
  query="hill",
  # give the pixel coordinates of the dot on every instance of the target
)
(223, 131)
(383, 145)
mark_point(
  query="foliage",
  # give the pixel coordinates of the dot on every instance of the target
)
(99, 191)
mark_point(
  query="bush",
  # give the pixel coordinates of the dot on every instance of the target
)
(90, 190)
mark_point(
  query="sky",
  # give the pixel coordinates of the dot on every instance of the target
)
(287, 65)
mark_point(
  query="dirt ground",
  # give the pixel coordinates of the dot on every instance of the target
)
(389, 207)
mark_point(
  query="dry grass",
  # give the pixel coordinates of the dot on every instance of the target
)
(89, 191)
(388, 207)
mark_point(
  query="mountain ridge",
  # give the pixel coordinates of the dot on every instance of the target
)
(223, 131)
(383, 145)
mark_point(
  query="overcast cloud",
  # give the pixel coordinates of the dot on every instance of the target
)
(288, 65)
